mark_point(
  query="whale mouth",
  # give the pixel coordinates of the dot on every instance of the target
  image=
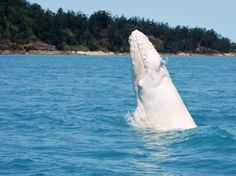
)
(143, 55)
(137, 56)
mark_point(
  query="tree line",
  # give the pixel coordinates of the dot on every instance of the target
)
(22, 22)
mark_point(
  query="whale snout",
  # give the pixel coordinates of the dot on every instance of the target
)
(143, 54)
(135, 37)
(136, 55)
(138, 42)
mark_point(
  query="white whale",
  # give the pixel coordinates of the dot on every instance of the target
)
(159, 105)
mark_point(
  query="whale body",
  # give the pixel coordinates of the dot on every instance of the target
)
(159, 105)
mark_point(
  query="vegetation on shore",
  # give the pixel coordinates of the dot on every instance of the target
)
(25, 26)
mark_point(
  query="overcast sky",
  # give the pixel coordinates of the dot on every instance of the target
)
(219, 15)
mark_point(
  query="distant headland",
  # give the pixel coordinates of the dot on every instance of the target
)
(28, 29)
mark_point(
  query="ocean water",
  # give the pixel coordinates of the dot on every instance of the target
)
(65, 115)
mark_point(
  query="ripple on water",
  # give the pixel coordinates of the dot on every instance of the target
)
(64, 115)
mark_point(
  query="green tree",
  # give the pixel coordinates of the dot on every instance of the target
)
(24, 23)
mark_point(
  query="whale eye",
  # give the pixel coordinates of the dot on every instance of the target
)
(162, 64)
(160, 67)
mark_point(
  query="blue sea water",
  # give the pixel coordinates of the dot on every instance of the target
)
(65, 115)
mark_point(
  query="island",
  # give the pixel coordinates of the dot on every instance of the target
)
(27, 28)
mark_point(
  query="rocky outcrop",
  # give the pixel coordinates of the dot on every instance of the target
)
(11, 46)
(39, 46)
(33, 46)
(204, 50)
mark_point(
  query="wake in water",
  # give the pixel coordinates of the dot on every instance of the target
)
(140, 122)
(135, 122)
(205, 133)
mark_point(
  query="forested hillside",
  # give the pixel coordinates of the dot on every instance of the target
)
(28, 26)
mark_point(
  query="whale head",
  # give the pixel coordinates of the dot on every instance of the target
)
(148, 67)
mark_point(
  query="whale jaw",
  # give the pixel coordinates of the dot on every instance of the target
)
(144, 56)
(159, 106)
(148, 67)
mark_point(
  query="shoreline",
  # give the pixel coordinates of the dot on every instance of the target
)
(101, 53)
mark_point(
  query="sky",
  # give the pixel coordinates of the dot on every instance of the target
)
(219, 15)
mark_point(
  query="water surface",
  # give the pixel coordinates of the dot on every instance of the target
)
(64, 115)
